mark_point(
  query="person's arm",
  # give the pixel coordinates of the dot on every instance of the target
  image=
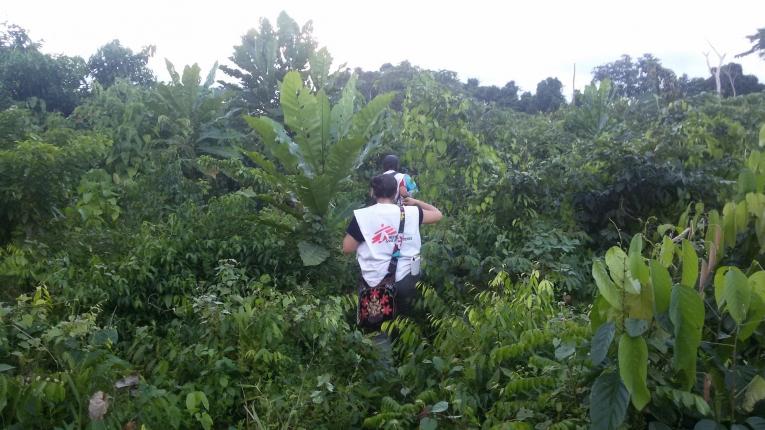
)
(353, 237)
(430, 213)
(349, 244)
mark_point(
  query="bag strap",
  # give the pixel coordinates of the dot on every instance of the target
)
(396, 249)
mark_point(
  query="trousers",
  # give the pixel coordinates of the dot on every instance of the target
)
(406, 297)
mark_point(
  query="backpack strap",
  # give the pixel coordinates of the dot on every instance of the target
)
(396, 247)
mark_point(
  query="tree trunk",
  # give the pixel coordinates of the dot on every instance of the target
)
(730, 79)
(573, 88)
(716, 71)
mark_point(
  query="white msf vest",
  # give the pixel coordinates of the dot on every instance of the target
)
(400, 182)
(379, 226)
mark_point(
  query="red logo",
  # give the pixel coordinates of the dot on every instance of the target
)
(385, 234)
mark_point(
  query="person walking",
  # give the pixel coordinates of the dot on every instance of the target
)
(406, 185)
(385, 231)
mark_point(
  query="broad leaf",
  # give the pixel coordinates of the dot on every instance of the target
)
(366, 117)
(303, 116)
(662, 286)
(637, 266)
(276, 140)
(686, 311)
(312, 254)
(729, 224)
(633, 368)
(640, 306)
(601, 341)
(616, 260)
(690, 265)
(755, 317)
(608, 402)
(342, 112)
(719, 284)
(320, 63)
(599, 312)
(737, 294)
(635, 327)
(606, 286)
(211, 76)
(667, 253)
(440, 407)
(755, 391)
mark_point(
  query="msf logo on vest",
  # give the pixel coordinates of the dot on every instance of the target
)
(385, 234)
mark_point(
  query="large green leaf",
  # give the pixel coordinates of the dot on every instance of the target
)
(686, 311)
(366, 117)
(616, 260)
(635, 327)
(344, 157)
(278, 143)
(667, 252)
(729, 224)
(325, 115)
(756, 312)
(640, 306)
(737, 294)
(342, 112)
(662, 286)
(637, 266)
(606, 286)
(315, 193)
(755, 317)
(633, 368)
(211, 76)
(320, 62)
(303, 116)
(719, 284)
(690, 265)
(599, 312)
(608, 402)
(755, 392)
(312, 254)
(601, 341)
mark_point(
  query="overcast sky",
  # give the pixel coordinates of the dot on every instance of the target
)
(494, 41)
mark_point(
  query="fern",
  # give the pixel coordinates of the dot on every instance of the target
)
(534, 383)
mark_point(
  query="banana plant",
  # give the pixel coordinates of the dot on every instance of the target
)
(191, 116)
(317, 147)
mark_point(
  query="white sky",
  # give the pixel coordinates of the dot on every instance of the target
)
(494, 41)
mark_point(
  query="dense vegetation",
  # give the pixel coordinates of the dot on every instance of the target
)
(169, 251)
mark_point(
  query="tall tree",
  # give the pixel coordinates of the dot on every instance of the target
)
(26, 73)
(635, 79)
(114, 61)
(265, 56)
(549, 96)
(508, 95)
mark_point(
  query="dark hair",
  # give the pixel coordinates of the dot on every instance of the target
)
(390, 162)
(383, 186)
